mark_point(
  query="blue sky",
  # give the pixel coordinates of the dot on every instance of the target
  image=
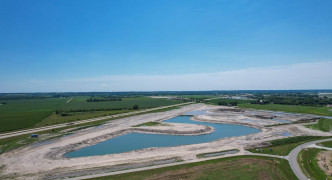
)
(148, 45)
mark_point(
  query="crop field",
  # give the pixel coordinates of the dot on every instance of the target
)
(239, 167)
(80, 103)
(18, 114)
(28, 113)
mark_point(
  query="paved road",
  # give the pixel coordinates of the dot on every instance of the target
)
(292, 158)
(156, 167)
(34, 130)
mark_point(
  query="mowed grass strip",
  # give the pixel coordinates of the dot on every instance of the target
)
(322, 125)
(283, 147)
(326, 144)
(231, 168)
(25, 113)
(307, 159)
(323, 111)
(76, 116)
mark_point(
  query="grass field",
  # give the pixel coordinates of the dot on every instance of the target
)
(28, 113)
(19, 114)
(283, 147)
(231, 168)
(323, 111)
(326, 144)
(198, 96)
(322, 125)
(307, 159)
(239, 101)
(80, 103)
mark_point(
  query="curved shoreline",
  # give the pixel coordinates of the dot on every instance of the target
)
(36, 162)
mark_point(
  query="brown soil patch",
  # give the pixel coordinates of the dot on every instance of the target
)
(324, 161)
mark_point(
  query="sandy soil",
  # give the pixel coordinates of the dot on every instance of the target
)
(324, 161)
(37, 162)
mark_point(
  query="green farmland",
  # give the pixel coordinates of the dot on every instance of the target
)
(29, 113)
(25, 113)
(80, 103)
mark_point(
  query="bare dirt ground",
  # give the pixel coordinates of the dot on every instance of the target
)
(324, 161)
(39, 162)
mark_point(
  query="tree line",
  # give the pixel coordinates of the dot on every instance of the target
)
(304, 100)
(103, 99)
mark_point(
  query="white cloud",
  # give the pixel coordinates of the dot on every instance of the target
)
(317, 75)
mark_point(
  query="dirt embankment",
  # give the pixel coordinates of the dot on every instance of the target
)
(38, 161)
(175, 129)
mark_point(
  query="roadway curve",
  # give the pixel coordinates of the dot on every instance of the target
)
(292, 158)
(34, 130)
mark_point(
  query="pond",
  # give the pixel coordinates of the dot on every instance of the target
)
(137, 141)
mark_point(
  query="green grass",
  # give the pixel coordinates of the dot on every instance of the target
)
(323, 111)
(80, 103)
(16, 143)
(198, 96)
(326, 144)
(204, 154)
(322, 125)
(76, 116)
(25, 113)
(283, 147)
(231, 168)
(29, 113)
(11, 143)
(149, 124)
(307, 159)
(239, 101)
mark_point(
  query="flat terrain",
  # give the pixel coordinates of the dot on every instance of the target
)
(308, 160)
(25, 113)
(322, 125)
(322, 111)
(28, 113)
(326, 144)
(47, 159)
(239, 167)
(283, 147)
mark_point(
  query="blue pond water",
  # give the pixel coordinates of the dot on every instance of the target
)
(136, 141)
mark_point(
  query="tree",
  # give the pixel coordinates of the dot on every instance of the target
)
(135, 106)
